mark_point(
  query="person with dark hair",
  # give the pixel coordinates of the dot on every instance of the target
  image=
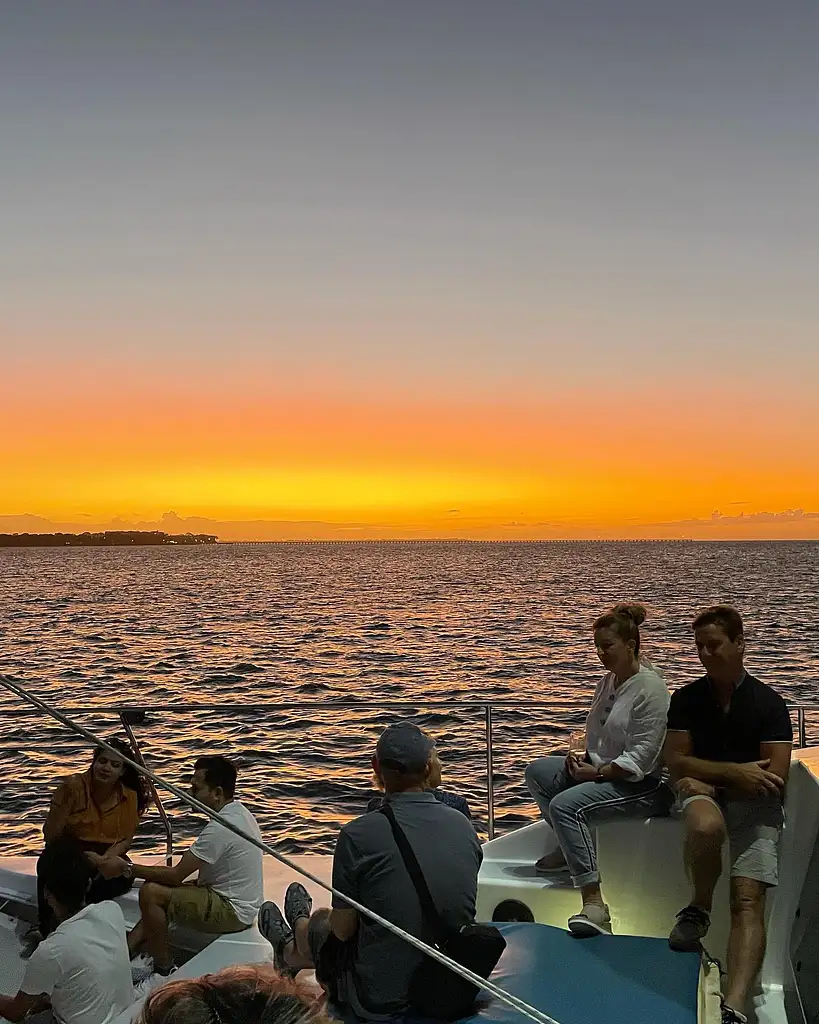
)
(229, 888)
(246, 994)
(81, 970)
(728, 751)
(98, 809)
(360, 965)
(617, 774)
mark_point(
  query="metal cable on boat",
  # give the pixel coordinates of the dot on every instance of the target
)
(532, 1012)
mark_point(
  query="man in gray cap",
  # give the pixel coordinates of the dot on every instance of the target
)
(404, 748)
(361, 965)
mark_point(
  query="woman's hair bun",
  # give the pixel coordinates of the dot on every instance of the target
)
(635, 612)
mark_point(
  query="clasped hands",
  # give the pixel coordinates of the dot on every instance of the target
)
(580, 770)
(751, 779)
(108, 866)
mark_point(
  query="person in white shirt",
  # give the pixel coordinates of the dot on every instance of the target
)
(81, 971)
(620, 773)
(229, 889)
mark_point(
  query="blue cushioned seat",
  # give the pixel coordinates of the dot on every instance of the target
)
(619, 979)
(603, 980)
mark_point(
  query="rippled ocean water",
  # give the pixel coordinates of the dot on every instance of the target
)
(292, 657)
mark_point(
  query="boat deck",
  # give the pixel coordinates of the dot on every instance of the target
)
(18, 885)
(11, 966)
(809, 757)
(644, 880)
(597, 981)
(276, 876)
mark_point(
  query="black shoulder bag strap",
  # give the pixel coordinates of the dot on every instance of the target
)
(439, 929)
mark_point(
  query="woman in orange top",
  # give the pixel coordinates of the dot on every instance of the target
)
(100, 810)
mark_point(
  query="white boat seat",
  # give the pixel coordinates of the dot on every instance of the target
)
(246, 947)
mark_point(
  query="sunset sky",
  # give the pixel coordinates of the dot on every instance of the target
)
(431, 268)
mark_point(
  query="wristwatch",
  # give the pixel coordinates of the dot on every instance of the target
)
(128, 872)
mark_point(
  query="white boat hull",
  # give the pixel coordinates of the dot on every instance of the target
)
(645, 885)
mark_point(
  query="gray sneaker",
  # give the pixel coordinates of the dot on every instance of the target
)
(297, 903)
(278, 933)
(592, 920)
(689, 931)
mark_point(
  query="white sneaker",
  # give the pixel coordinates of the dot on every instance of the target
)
(593, 919)
(142, 967)
(153, 981)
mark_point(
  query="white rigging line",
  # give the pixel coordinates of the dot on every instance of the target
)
(506, 997)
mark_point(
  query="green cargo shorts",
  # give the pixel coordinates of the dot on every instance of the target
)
(203, 909)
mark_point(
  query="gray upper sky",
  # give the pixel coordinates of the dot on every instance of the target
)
(533, 189)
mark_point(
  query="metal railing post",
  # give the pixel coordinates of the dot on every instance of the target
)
(800, 727)
(490, 783)
(163, 814)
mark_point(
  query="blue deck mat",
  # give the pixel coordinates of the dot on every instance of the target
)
(603, 980)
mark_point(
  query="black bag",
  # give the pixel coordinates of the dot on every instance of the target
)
(436, 991)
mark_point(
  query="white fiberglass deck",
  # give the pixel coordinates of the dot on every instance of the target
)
(643, 879)
(645, 885)
(18, 885)
(11, 966)
(18, 875)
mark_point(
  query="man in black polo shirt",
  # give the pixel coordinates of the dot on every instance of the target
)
(728, 750)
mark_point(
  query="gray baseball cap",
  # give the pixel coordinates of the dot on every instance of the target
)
(403, 747)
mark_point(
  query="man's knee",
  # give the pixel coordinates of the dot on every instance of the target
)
(710, 833)
(704, 823)
(747, 898)
(151, 894)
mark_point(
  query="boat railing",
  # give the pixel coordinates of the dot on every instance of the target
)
(462, 970)
(132, 715)
(129, 719)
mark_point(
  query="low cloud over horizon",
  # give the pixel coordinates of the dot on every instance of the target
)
(788, 524)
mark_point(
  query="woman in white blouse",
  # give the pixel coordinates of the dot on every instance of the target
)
(620, 774)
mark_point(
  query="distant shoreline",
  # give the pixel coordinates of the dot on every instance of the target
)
(155, 538)
(106, 539)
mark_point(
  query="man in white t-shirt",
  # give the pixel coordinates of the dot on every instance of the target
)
(229, 890)
(82, 969)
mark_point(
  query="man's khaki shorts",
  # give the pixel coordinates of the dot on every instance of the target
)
(204, 910)
(754, 828)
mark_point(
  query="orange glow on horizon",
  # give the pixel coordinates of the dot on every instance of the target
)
(585, 462)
